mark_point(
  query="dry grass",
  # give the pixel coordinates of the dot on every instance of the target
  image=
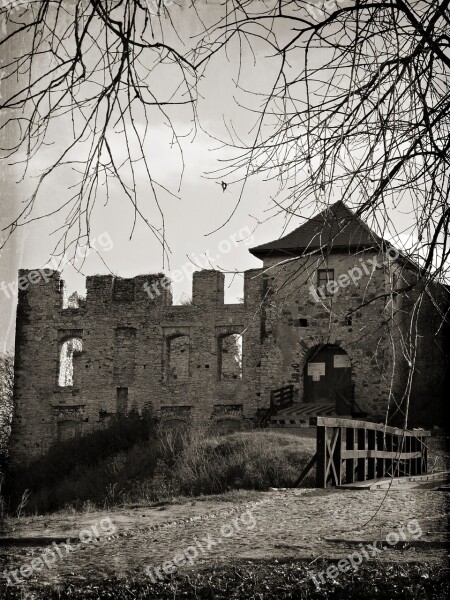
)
(253, 460)
(200, 463)
(173, 465)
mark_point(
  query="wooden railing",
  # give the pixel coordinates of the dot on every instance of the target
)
(349, 451)
(281, 398)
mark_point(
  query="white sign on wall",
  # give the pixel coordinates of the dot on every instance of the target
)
(316, 370)
(341, 361)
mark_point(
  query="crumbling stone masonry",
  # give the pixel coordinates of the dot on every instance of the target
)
(122, 347)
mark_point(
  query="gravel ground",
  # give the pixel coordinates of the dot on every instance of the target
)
(300, 524)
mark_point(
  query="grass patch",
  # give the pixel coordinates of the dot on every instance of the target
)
(108, 468)
(254, 460)
(269, 580)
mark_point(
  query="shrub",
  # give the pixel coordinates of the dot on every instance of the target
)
(253, 460)
(77, 470)
(134, 462)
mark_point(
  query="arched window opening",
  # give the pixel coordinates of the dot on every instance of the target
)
(70, 350)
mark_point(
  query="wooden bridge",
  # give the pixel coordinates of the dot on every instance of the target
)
(349, 451)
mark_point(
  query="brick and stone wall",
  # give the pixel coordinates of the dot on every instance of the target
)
(139, 348)
(127, 337)
(298, 321)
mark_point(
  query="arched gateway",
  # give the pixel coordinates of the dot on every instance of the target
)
(328, 378)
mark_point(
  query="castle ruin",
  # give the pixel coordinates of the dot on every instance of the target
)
(346, 349)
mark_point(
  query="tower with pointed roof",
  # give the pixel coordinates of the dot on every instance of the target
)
(342, 333)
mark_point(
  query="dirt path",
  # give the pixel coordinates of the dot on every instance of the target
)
(300, 524)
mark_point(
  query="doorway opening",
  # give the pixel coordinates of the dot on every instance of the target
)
(328, 378)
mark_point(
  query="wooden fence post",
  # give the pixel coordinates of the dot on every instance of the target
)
(350, 462)
(371, 462)
(361, 462)
(322, 459)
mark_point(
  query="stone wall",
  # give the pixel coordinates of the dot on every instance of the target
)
(398, 345)
(298, 320)
(127, 336)
(139, 348)
(423, 356)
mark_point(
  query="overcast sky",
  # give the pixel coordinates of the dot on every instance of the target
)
(200, 208)
(200, 205)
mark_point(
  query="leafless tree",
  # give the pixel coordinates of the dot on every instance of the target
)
(6, 395)
(358, 107)
(359, 104)
(95, 67)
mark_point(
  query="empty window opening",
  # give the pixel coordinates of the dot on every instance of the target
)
(349, 320)
(178, 358)
(303, 322)
(122, 400)
(70, 350)
(230, 356)
(73, 299)
(324, 277)
(233, 288)
(181, 286)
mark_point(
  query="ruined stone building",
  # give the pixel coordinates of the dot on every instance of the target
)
(321, 315)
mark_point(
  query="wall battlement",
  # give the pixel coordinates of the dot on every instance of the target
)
(207, 289)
